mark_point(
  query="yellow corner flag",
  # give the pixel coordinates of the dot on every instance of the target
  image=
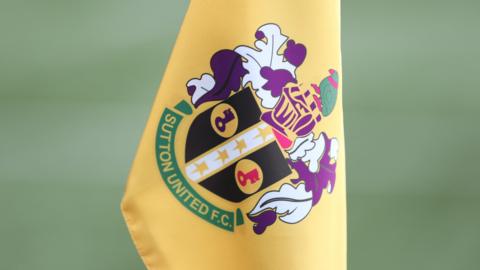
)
(241, 164)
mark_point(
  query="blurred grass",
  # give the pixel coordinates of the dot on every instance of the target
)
(77, 83)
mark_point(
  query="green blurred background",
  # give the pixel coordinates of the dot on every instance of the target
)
(77, 79)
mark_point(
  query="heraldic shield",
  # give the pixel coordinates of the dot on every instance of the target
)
(231, 152)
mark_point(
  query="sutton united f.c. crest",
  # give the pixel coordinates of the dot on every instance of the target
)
(257, 128)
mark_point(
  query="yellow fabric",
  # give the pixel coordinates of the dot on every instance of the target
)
(172, 234)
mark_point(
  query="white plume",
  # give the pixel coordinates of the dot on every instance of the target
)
(265, 54)
(292, 203)
(202, 86)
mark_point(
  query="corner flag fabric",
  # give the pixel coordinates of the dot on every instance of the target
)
(241, 164)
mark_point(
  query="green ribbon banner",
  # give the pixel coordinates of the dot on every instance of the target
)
(176, 182)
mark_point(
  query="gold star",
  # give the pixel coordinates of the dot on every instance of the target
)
(241, 145)
(264, 133)
(201, 168)
(223, 155)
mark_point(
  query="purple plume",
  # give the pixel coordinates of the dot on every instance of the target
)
(295, 53)
(259, 35)
(318, 181)
(227, 71)
(276, 79)
(263, 220)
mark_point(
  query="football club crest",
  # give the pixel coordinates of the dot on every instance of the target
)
(254, 141)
